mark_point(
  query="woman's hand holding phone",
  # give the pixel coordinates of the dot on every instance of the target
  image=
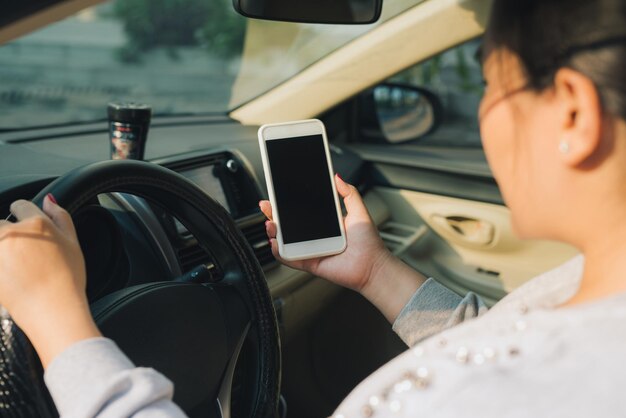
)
(366, 265)
(351, 268)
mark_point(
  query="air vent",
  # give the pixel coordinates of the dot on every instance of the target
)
(257, 238)
(192, 256)
(203, 161)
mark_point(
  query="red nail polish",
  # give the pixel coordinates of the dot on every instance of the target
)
(339, 175)
(52, 199)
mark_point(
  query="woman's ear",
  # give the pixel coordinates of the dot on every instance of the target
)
(580, 116)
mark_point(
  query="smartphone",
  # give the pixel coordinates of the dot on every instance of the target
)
(301, 187)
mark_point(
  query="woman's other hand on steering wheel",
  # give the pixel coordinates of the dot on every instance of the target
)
(366, 265)
(42, 277)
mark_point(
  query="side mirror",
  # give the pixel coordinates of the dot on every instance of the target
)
(397, 112)
(312, 11)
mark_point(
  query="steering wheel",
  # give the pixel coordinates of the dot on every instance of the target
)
(191, 332)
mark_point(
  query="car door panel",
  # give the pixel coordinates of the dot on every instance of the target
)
(466, 245)
(440, 210)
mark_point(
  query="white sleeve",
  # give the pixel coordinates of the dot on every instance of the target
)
(434, 308)
(93, 378)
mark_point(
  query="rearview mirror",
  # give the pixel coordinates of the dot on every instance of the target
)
(312, 11)
(397, 112)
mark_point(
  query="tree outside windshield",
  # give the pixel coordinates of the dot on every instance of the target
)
(179, 56)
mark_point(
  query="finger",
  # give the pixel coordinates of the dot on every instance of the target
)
(23, 209)
(59, 216)
(274, 246)
(271, 229)
(5, 228)
(293, 264)
(351, 198)
(266, 208)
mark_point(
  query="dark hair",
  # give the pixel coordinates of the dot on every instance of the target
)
(588, 36)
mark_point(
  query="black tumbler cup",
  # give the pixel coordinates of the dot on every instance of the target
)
(128, 129)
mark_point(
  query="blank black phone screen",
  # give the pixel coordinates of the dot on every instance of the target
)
(302, 188)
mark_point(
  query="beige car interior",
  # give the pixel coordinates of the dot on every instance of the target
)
(466, 245)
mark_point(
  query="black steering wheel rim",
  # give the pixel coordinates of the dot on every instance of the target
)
(209, 223)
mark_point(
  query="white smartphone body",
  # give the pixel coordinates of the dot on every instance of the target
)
(301, 187)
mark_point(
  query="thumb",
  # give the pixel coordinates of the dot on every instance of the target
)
(59, 216)
(351, 198)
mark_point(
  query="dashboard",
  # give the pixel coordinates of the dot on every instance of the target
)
(138, 241)
(226, 177)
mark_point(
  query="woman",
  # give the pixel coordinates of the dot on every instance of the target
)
(553, 123)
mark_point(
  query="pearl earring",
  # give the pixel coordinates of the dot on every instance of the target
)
(564, 147)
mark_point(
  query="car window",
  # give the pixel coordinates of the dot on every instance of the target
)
(179, 56)
(455, 77)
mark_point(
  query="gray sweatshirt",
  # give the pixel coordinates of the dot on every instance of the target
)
(93, 378)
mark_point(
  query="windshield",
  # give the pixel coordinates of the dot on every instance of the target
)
(178, 56)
